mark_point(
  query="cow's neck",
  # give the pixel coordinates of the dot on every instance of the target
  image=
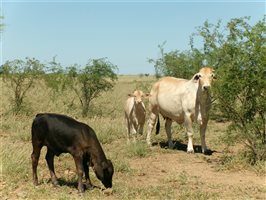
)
(139, 106)
(97, 155)
(204, 96)
(203, 99)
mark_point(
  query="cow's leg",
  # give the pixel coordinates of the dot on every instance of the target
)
(140, 129)
(188, 124)
(168, 124)
(86, 159)
(79, 166)
(203, 127)
(128, 130)
(50, 162)
(35, 159)
(141, 126)
(134, 130)
(151, 123)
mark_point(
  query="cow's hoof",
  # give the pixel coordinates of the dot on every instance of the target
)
(149, 144)
(108, 191)
(190, 151)
(171, 146)
(55, 183)
(81, 189)
(35, 183)
(89, 186)
(81, 194)
(207, 152)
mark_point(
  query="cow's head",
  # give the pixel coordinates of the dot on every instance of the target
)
(104, 172)
(138, 96)
(204, 77)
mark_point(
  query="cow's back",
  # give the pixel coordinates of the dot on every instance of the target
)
(60, 133)
(173, 97)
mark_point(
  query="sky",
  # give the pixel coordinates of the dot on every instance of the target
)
(125, 32)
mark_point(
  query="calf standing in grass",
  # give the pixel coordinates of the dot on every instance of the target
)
(62, 134)
(135, 113)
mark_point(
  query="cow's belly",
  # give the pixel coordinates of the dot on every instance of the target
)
(171, 109)
(56, 147)
(178, 117)
(174, 109)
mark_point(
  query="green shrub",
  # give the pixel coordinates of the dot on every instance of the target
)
(89, 82)
(20, 76)
(240, 88)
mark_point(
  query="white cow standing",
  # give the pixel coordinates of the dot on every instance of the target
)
(182, 101)
(135, 113)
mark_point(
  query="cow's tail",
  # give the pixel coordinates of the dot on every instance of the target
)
(158, 126)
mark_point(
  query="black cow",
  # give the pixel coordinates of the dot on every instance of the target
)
(62, 134)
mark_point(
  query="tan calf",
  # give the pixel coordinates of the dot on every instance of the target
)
(182, 101)
(135, 113)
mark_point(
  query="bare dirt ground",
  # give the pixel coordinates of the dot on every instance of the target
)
(199, 173)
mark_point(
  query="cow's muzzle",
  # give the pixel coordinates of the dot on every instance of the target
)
(206, 87)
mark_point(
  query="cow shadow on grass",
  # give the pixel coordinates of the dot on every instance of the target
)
(72, 184)
(182, 147)
(68, 183)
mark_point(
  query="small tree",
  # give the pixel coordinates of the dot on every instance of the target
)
(174, 63)
(20, 76)
(55, 77)
(240, 88)
(88, 83)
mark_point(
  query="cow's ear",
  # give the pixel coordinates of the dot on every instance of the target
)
(196, 77)
(147, 95)
(214, 76)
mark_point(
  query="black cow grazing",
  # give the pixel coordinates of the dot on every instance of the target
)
(62, 134)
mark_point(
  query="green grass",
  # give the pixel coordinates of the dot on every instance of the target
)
(122, 166)
(15, 161)
(137, 149)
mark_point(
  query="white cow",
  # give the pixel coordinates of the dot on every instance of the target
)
(182, 101)
(135, 113)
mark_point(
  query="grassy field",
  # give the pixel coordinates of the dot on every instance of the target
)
(140, 172)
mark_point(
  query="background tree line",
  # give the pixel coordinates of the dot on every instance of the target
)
(87, 82)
